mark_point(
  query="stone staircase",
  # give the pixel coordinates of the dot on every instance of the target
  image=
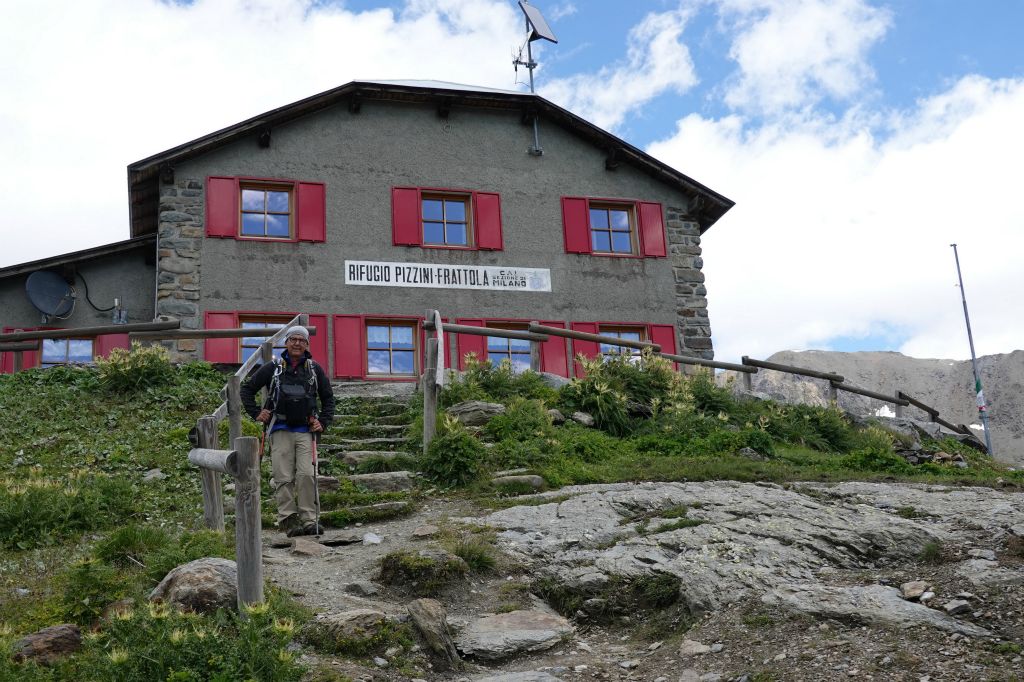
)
(367, 443)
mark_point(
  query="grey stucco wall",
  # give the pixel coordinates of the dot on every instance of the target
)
(361, 157)
(124, 275)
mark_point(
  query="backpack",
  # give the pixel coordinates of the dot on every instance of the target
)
(294, 403)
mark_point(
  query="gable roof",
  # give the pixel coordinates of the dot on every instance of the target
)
(142, 242)
(706, 205)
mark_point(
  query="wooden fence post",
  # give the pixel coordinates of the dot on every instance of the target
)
(748, 382)
(213, 498)
(19, 361)
(430, 394)
(248, 545)
(234, 409)
(899, 408)
(266, 355)
(535, 353)
(833, 394)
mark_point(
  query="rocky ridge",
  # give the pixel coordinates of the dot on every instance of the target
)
(947, 385)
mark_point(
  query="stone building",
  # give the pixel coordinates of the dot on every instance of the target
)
(366, 205)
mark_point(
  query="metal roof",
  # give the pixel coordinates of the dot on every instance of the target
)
(76, 256)
(706, 205)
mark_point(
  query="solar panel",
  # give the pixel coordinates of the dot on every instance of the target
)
(537, 23)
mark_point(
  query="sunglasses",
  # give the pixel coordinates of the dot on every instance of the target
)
(297, 339)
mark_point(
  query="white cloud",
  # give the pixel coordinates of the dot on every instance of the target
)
(561, 11)
(838, 231)
(793, 53)
(91, 86)
(656, 62)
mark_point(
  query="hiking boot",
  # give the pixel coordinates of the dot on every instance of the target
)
(289, 523)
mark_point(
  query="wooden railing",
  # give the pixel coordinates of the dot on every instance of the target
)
(537, 333)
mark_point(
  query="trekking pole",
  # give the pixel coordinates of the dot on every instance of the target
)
(316, 484)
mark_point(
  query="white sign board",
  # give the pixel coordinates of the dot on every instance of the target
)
(436, 276)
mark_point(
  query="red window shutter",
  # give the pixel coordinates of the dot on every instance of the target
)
(311, 211)
(405, 217)
(553, 359)
(221, 350)
(222, 207)
(589, 349)
(652, 230)
(349, 346)
(29, 358)
(102, 346)
(576, 224)
(464, 343)
(487, 220)
(318, 347)
(665, 336)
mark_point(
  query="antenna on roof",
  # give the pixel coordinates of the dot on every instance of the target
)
(538, 29)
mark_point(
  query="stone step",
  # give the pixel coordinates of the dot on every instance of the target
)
(348, 444)
(386, 482)
(401, 390)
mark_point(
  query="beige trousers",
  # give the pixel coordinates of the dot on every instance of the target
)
(293, 483)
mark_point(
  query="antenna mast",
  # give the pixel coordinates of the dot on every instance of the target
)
(537, 28)
(980, 399)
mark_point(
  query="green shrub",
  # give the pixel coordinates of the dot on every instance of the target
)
(90, 586)
(189, 547)
(587, 445)
(482, 380)
(707, 396)
(379, 464)
(511, 454)
(597, 398)
(131, 544)
(130, 370)
(477, 554)
(878, 460)
(455, 457)
(39, 511)
(523, 420)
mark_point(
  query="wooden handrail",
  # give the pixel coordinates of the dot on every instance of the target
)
(917, 403)
(487, 331)
(828, 376)
(19, 346)
(870, 394)
(687, 360)
(87, 332)
(233, 333)
(587, 336)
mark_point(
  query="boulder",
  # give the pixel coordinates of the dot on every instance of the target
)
(553, 380)
(913, 590)
(475, 412)
(48, 645)
(556, 416)
(526, 481)
(306, 548)
(582, 418)
(873, 604)
(355, 625)
(985, 573)
(431, 621)
(508, 634)
(203, 585)
(362, 588)
(385, 482)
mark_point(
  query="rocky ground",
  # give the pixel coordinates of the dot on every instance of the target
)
(697, 581)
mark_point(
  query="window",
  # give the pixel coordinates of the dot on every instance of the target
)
(251, 344)
(626, 333)
(266, 211)
(391, 348)
(445, 221)
(516, 351)
(66, 352)
(611, 229)
(445, 218)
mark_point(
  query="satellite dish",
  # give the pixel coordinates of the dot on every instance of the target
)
(50, 294)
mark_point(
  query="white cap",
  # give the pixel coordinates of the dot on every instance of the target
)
(297, 331)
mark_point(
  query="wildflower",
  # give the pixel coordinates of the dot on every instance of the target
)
(284, 626)
(157, 610)
(722, 416)
(177, 636)
(257, 609)
(285, 656)
(6, 630)
(123, 614)
(118, 656)
(200, 633)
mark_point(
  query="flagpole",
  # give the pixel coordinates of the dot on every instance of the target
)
(980, 395)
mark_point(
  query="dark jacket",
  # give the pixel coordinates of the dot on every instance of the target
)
(263, 376)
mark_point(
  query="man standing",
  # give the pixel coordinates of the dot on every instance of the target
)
(294, 384)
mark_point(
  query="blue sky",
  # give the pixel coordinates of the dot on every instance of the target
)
(859, 138)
